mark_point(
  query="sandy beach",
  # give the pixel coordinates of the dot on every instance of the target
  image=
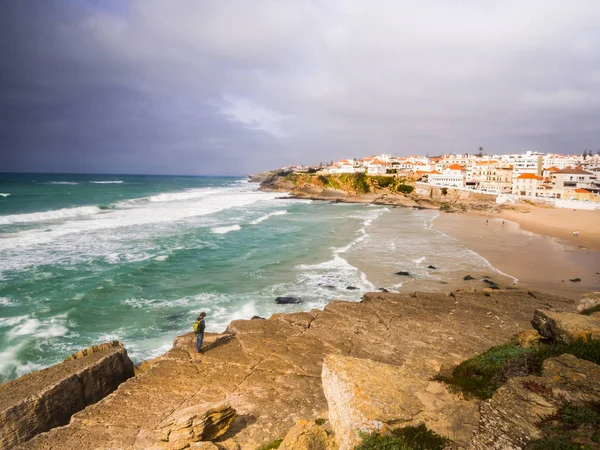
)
(544, 262)
(560, 223)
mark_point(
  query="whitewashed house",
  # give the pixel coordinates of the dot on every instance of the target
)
(452, 176)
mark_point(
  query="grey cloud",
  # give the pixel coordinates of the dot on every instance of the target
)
(234, 87)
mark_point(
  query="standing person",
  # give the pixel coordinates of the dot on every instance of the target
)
(199, 327)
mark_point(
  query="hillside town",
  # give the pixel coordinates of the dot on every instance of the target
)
(529, 174)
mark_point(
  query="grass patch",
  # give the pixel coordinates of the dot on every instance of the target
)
(590, 311)
(271, 445)
(407, 438)
(483, 374)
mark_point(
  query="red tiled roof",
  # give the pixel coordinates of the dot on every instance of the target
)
(529, 176)
(456, 167)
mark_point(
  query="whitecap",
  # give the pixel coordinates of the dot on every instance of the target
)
(64, 213)
(62, 182)
(4, 194)
(161, 258)
(419, 260)
(268, 216)
(5, 301)
(108, 182)
(224, 230)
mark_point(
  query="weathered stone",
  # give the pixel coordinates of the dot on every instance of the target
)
(42, 400)
(577, 379)
(204, 422)
(468, 278)
(403, 273)
(204, 446)
(589, 300)
(527, 338)
(565, 327)
(365, 396)
(270, 370)
(307, 435)
(510, 419)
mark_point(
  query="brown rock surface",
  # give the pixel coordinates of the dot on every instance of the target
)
(527, 338)
(365, 396)
(270, 370)
(306, 435)
(510, 419)
(565, 327)
(589, 300)
(46, 399)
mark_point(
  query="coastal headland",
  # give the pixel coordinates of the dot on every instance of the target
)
(270, 372)
(534, 244)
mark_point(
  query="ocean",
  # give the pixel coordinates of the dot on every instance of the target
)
(85, 259)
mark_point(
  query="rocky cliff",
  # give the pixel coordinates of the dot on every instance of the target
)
(46, 399)
(257, 380)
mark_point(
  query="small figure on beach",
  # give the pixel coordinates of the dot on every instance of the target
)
(486, 221)
(199, 327)
(576, 233)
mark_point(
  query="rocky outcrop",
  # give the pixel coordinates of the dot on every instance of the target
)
(589, 300)
(269, 371)
(511, 418)
(194, 424)
(365, 396)
(46, 399)
(306, 435)
(565, 327)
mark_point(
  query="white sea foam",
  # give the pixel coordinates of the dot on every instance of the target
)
(5, 301)
(62, 182)
(184, 195)
(224, 230)
(46, 216)
(419, 260)
(108, 182)
(268, 216)
(161, 258)
(4, 194)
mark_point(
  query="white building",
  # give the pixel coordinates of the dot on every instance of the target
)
(376, 167)
(526, 184)
(452, 176)
(529, 162)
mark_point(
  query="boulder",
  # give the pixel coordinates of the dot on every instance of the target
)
(565, 327)
(383, 290)
(406, 274)
(203, 422)
(527, 338)
(352, 288)
(42, 400)
(575, 280)
(287, 300)
(589, 300)
(510, 419)
(431, 267)
(307, 435)
(468, 278)
(365, 396)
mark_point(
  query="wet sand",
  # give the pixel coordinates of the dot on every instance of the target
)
(540, 262)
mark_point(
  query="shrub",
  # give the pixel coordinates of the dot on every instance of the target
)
(404, 188)
(407, 438)
(580, 415)
(383, 182)
(483, 374)
(444, 191)
(311, 170)
(360, 183)
(559, 442)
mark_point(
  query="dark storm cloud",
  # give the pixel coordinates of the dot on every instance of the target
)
(233, 87)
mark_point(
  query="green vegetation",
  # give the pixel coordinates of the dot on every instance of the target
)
(573, 427)
(404, 188)
(590, 311)
(444, 191)
(407, 438)
(483, 374)
(271, 445)
(320, 421)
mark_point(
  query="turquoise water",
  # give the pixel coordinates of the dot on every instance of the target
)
(87, 259)
(84, 261)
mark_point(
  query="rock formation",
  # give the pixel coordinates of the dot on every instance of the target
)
(42, 400)
(269, 371)
(566, 327)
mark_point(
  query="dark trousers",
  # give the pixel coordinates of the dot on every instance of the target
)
(199, 339)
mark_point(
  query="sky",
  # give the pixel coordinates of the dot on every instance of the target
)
(235, 87)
